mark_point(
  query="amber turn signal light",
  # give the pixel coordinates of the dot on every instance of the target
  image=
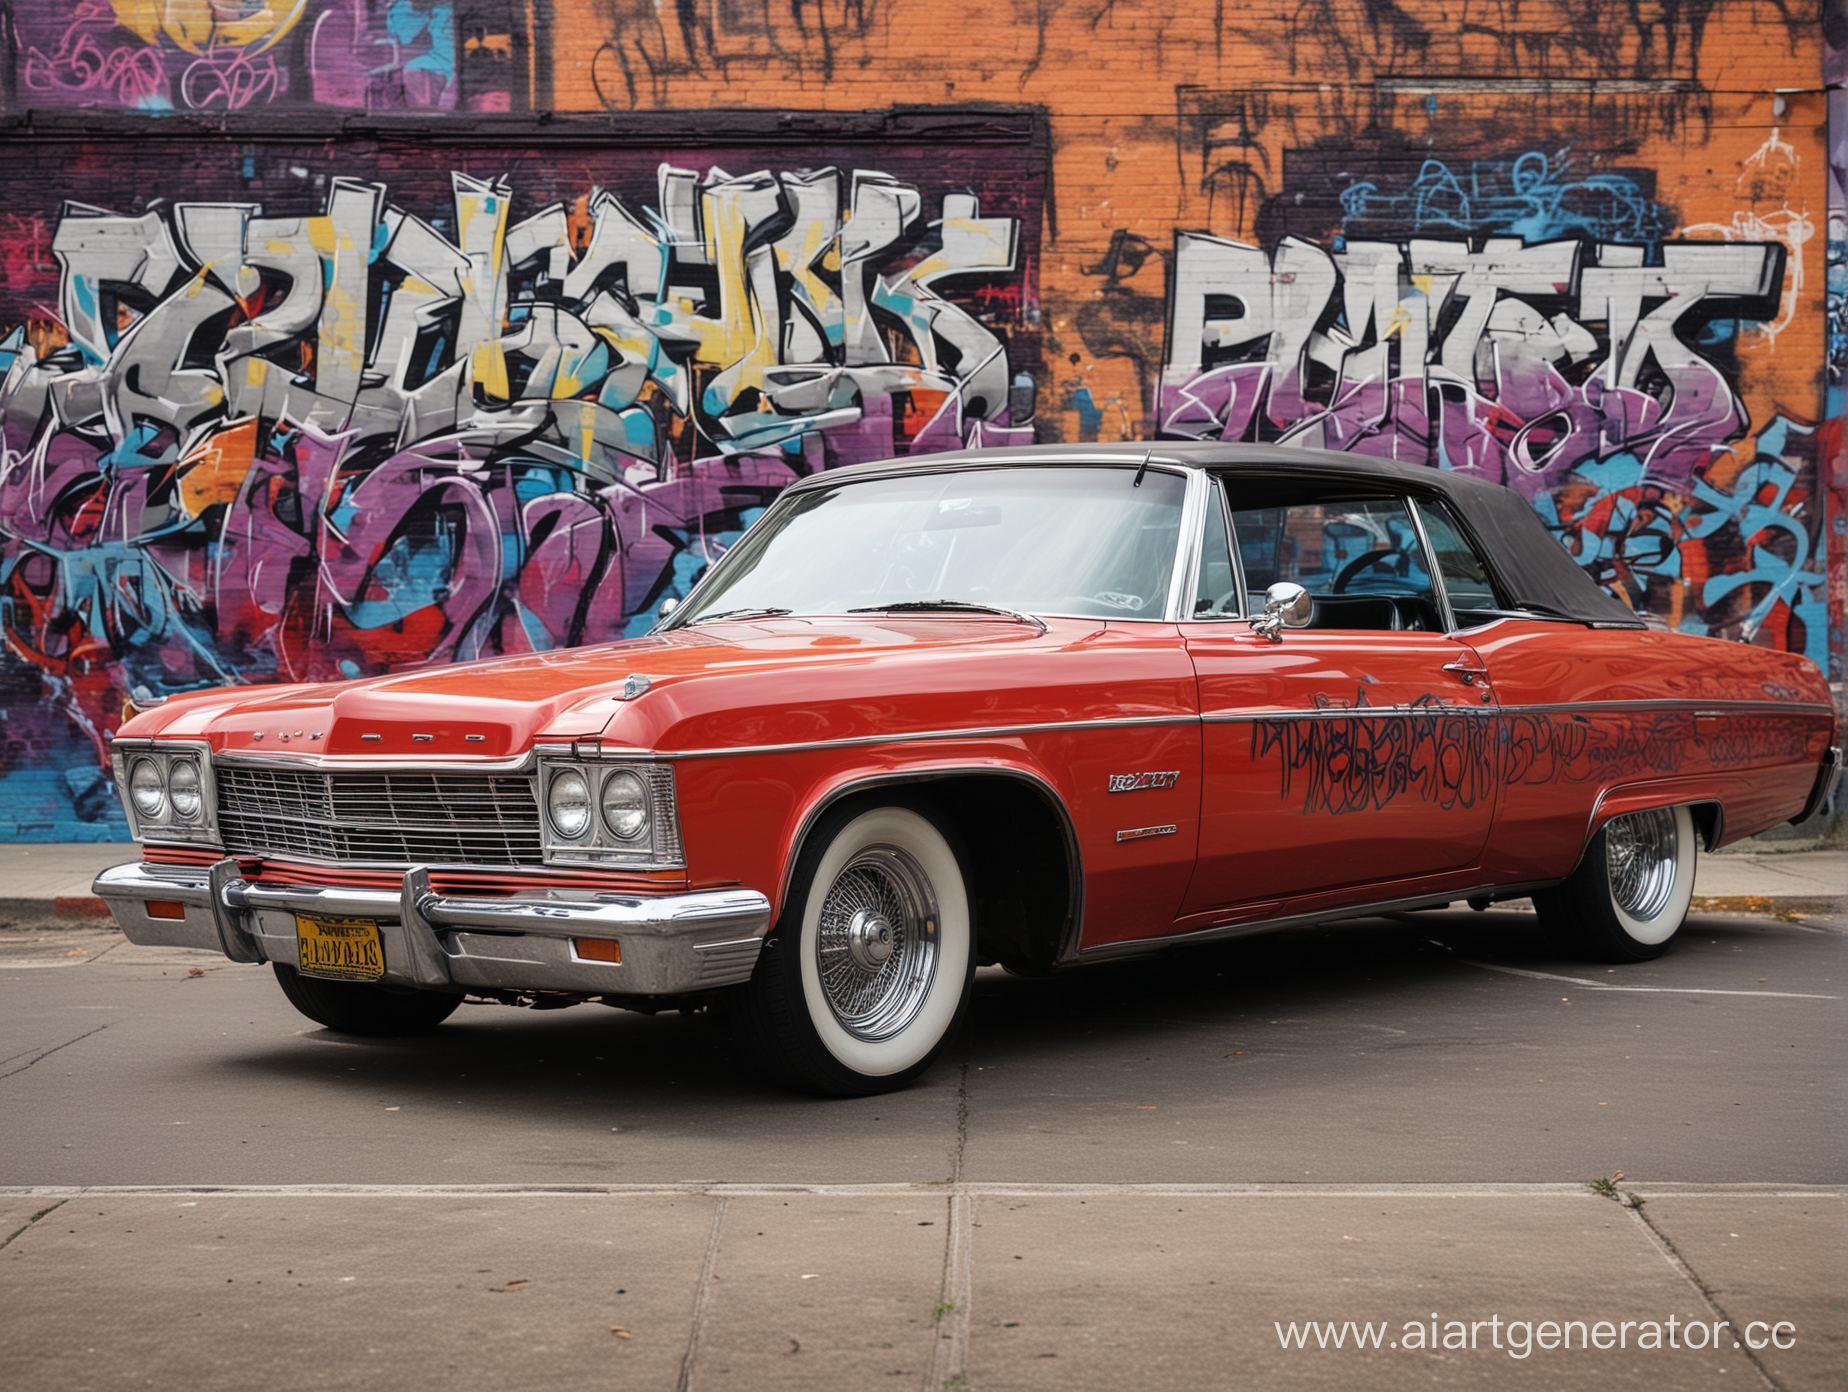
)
(165, 908)
(597, 949)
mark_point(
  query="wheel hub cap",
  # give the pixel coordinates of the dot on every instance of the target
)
(876, 942)
(870, 939)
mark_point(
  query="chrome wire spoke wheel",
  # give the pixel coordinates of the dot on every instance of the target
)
(866, 975)
(1642, 851)
(1631, 890)
(876, 942)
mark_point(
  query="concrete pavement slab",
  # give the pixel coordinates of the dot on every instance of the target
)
(1060, 1287)
(1188, 1292)
(816, 1291)
(1777, 1258)
(215, 1292)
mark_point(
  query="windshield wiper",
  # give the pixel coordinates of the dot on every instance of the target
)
(953, 606)
(738, 614)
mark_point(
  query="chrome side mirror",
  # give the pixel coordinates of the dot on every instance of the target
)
(668, 606)
(1286, 605)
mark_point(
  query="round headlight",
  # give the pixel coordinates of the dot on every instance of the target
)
(625, 805)
(147, 788)
(183, 787)
(568, 800)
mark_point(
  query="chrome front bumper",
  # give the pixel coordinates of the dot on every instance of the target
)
(671, 945)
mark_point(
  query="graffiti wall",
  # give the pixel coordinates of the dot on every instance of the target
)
(209, 56)
(345, 335)
(303, 423)
(1589, 375)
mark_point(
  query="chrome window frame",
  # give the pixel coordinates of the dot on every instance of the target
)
(1216, 490)
(1418, 506)
(1415, 506)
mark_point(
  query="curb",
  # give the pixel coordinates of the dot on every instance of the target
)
(1766, 903)
(61, 911)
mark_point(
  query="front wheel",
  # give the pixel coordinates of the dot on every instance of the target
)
(352, 1007)
(1630, 894)
(866, 975)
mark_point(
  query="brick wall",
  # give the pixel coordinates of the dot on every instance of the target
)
(343, 334)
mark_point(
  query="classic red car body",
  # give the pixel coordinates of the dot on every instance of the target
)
(1121, 784)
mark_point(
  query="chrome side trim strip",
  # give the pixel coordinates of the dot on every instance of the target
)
(1345, 713)
(1693, 707)
(526, 761)
(907, 737)
(1138, 947)
(1676, 703)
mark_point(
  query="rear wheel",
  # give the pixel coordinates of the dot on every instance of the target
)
(1630, 893)
(866, 975)
(352, 1007)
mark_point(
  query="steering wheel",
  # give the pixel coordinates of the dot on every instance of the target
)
(1366, 562)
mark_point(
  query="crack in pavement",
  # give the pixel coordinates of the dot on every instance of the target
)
(1672, 1255)
(52, 1050)
(949, 1357)
(29, 1222)
(702, 1299)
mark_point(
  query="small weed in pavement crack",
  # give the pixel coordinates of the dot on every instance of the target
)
(1607, 1188)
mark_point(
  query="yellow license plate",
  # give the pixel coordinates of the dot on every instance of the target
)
(342, 949)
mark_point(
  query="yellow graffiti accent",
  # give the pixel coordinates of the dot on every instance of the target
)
(196, 25)
(343, 319)
(1398, 324)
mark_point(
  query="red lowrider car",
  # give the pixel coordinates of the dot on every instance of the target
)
(1039, 707)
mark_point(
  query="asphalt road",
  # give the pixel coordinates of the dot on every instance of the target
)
(1143, 1166)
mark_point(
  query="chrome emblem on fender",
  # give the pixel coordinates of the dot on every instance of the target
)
(1130, 782)
(1137, 833)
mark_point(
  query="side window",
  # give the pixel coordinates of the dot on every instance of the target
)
(1365, 546)
(1360, 557)
(1466, 578)
(1217, 592)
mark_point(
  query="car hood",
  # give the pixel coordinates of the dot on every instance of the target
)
(720, 685)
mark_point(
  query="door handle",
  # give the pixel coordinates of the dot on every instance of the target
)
(1469, 670)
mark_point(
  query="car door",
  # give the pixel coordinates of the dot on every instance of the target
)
(1351, 754)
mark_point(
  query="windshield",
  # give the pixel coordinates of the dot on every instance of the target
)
(1083, 541)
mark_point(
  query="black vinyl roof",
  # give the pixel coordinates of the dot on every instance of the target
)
(1531, 569)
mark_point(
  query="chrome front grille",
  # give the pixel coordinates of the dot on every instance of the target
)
(427, 817)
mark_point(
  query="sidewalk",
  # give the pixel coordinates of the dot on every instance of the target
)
(47, 882)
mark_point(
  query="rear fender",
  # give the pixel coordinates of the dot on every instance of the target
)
(1697, 794)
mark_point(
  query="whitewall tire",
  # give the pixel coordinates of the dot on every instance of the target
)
(866, 976)
(1630, 894)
